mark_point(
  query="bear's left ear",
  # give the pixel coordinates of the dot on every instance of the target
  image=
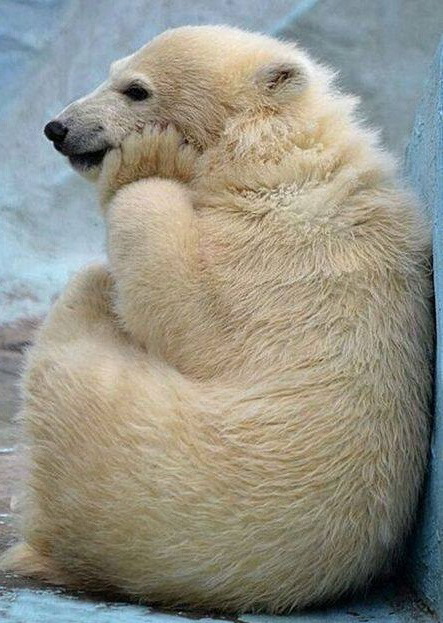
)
(280, 78)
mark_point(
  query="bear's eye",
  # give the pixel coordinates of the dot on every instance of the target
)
(136, 93)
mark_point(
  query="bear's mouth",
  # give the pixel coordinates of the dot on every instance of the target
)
(88, 159)
(83, 160)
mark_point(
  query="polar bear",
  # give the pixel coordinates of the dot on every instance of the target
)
(232, 412)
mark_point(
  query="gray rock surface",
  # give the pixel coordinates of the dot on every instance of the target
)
(383, 50)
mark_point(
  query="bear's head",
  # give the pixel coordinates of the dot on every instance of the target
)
(198, 78)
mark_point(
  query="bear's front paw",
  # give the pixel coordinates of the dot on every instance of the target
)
(157, 151)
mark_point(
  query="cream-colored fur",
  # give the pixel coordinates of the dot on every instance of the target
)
(234, 412)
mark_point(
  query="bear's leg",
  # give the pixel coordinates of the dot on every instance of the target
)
(81, 317)
(23, 559)
(153, 255)
(94, 406)
(83, 308)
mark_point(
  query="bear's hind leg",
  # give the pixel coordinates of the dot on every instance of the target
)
(84, 308)
(78, 328)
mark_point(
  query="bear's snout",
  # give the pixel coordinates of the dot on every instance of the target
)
(84, 149)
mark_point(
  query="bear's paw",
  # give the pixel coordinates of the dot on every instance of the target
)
(156, 152)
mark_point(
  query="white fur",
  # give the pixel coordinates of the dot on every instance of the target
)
(234, 413)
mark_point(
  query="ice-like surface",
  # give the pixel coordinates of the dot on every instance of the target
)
(49, 606)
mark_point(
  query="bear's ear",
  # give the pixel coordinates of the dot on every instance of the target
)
(281, 77)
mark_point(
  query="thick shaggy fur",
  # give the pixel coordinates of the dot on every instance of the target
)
(234, 412)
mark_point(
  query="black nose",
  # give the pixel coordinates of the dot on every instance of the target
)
(55, 131)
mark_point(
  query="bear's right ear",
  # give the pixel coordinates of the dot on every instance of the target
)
(281, 77)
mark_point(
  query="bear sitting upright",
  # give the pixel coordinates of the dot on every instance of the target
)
(233, 413)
